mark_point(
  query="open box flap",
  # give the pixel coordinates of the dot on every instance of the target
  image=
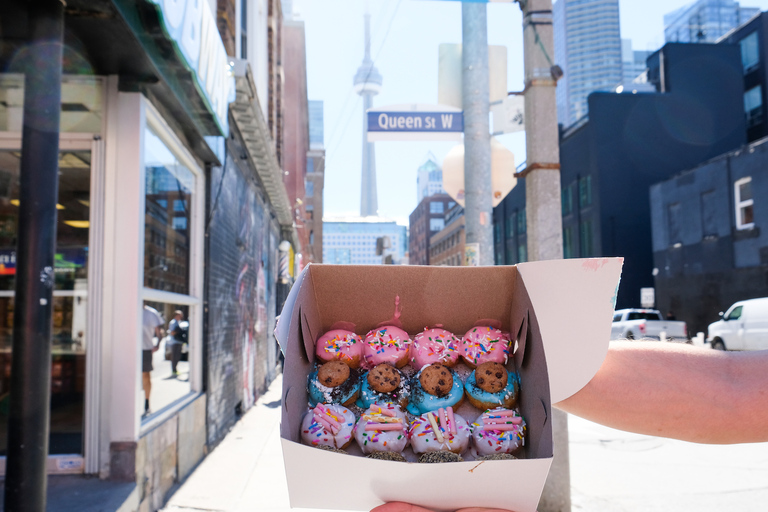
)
(574, 300)
(284, 321)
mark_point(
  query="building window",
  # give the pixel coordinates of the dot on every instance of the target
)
(753, 106)
(435, 207)
(567, 200)
(750, 52)
(522, 253)
(585, 191)
(309, 188)
(675, 223)
(497, 233)
(708, 218)
(511, 220)
(568, 251)
(521, 222)
(436, 224)
(744, 203)
(243, 29)
(585, 239)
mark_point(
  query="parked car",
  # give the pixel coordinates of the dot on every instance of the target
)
(743, 327)
(646, 323)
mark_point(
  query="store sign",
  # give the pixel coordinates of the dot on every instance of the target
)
(191, 24)
(7, 263)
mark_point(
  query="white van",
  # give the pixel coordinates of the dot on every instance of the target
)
(743, 327)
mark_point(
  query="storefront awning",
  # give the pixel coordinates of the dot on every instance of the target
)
(251, 124)
(127, 38)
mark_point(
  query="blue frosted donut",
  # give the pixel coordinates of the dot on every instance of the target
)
(422, 402)
(369, 396)
(483, 399)
(345, 393)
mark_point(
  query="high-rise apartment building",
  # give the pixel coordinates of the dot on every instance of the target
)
(429, 178)
(588, 49)
(705, 21)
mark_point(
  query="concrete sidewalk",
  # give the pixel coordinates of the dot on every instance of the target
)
(245, 472)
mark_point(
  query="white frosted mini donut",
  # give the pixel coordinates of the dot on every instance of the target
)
(382, 428)
(498, 431)
(452, 432)
(329, 425)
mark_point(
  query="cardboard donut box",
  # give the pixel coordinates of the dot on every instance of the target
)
(558, 314)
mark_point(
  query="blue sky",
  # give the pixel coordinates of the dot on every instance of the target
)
(405, 39)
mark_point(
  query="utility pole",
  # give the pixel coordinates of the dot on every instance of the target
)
(29, 411)
(478, 211)
(542, 199)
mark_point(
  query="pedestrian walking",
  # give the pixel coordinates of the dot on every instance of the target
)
(177, 337)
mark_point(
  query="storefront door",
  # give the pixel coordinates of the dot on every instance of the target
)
(72, 323)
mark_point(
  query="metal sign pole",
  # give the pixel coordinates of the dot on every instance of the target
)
(478, 211)
(542, 198)
(29, 415)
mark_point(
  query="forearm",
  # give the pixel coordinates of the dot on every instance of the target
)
(678, 391)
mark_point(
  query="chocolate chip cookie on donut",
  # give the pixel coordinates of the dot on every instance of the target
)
(491, 385)
(383, 384)
(333, 383)
(433, 387)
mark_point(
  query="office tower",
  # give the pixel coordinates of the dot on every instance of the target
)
(368, 84)
(429, 178)
(588, 49)
(632, 61)
(705, 21)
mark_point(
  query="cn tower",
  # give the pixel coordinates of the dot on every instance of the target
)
(368, 84)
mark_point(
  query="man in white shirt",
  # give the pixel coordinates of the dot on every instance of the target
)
(152, 328)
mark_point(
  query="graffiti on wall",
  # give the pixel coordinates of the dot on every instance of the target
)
(242, 259)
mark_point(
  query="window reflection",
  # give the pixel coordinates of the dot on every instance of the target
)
(168, 198)
(166, 326)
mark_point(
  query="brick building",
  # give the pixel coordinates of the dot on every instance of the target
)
(426, 220)
(447, 246)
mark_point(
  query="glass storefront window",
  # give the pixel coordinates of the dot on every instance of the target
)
(70, 296)
(169, 334)
(169, 198)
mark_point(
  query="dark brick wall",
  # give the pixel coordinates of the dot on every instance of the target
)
(703, 262)
(242, 240)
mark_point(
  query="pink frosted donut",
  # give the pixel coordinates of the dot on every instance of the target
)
(341, 345)
(483, 345)
(434, 346)
(387, 344)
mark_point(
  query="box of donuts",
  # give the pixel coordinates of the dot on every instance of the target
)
(434, 385)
